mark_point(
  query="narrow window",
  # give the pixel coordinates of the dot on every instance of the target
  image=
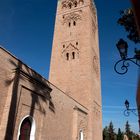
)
(25, 130)
(70, 5)
(69, 24)
(74, 23)
(67, 55)
(81, 135)
(75, 4)
(73, 55)
(76, 43)
(63, 46)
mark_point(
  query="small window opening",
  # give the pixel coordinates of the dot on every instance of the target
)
(73, 55)
(70, 5)
(67, 55)
(69, 24)
(76, 43)
(64, 6)
(74, 23)
(63, 46)
(25, 129)
(75, 4)
(81, 135)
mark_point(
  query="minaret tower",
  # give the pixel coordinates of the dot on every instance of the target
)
(75, 67)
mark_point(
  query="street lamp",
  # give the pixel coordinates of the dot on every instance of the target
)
(129, 110)
(135, 111)
(122, 47)
(127, 104)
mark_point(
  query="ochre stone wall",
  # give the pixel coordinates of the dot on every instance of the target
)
(63, 121)
(6, 85)
(57, 116)
(75, 62)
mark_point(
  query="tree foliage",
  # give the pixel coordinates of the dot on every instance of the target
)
(127, 20)
(128, 130)
(119, 134)
(111, 131)
(105, 133)
(110, 134)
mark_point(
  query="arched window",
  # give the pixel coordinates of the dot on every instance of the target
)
(67, 56)
(70, 5)
(75, 4)
(64, 6)
(73, 55)
(26, 129)
(81, 135)
(74, 23)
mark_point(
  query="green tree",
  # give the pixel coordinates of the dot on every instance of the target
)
(105, 133)
(111, 131)
(128, 131)
(119, 134)
(127, 20)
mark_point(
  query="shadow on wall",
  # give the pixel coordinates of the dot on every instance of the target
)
(42, 94)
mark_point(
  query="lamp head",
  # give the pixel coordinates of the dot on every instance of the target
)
(122, 47)
(127, 104)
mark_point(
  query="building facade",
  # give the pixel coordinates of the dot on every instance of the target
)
(68, 106)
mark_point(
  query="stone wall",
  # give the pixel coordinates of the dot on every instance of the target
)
(56, 115)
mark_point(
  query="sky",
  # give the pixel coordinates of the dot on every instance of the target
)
(26, 30)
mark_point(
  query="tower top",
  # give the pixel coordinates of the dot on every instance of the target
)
(70, 4)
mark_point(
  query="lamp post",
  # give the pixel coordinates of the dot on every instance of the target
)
(123, 63)
(128, 110)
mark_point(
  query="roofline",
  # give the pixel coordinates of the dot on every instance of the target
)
(1, 47)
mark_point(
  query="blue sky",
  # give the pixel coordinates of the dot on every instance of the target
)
(115, 88)
(26, 30)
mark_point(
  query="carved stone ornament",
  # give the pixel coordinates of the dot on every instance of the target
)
(70, 52)
(71, 17)
(67, 3)
(70, 48)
